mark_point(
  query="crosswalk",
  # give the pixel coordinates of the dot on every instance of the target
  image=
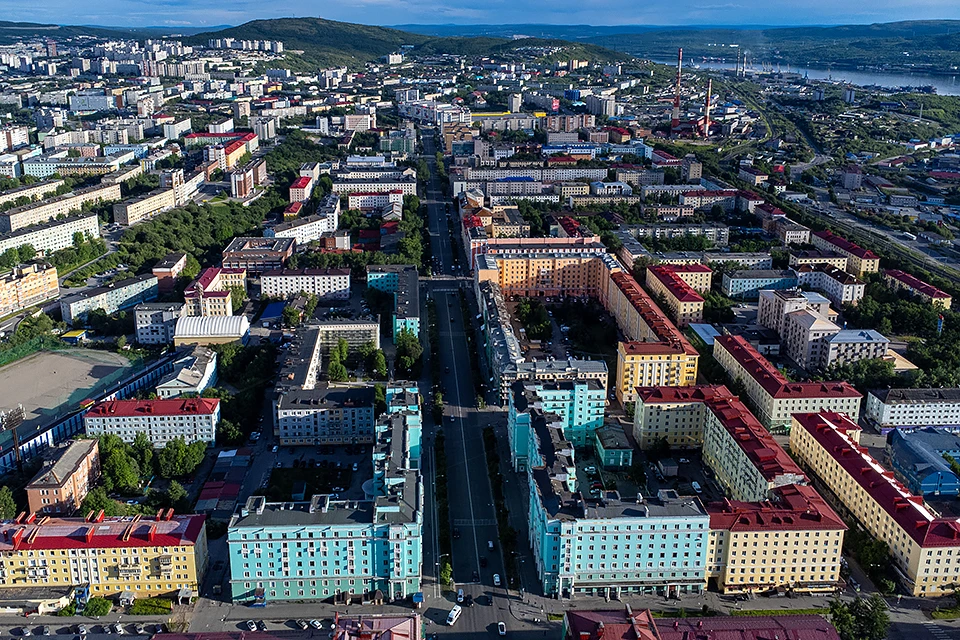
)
(940, 632)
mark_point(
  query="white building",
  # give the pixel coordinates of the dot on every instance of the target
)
(110, 298)
(836, 284)
(193, 419)
(155, 321)
(326, 284)
(54, 235)
(775, 304)
(304, 230)
(193, 373)
(805, 334)
(891, 408)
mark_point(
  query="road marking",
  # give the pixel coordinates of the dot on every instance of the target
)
(474, 523)
(938, 631)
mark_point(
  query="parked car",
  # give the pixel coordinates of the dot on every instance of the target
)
(303, 624)
(118, 629)
(683, 461)
(483, 562)
(46, 630)
(262, 625)
(82, 629)
(696, 486)
(275, 449)
(251, 625)
(139, 629)
(501, 629)
(316, 624)
(496, 579)
(468, 600)
(24, 631)
(459, 596)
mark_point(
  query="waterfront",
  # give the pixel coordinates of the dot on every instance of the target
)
(946, 85)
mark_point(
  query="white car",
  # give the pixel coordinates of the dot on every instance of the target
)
(251, 625)
(316, 624)
(496, 579)
(459, 596)
(501, 629)
(696, 486)
(683, 461)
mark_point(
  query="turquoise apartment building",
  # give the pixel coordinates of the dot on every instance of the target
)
(403, 282)
(608, 545)
(337, 544)
(578, 405)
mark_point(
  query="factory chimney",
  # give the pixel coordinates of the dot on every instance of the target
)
(706, 109)
(675, 118)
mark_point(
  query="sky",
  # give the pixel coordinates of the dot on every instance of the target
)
(172, 13)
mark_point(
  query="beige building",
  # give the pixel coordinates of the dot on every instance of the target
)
(210, 294)
(805, 335)
(902, 281)
(813, 257)
(683, 302)
(792, 541)
(63, 483)
(860, 261)
(148, 557)
(46, 210)
(775, 304)
(925, 547)
(27, 285)
(774, 398)
(130, 212)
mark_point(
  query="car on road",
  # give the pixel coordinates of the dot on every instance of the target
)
(451, 418)
(303, 624)
(683, 461)
(456, 533)
(139, 629)
(354, 467)
(501, 629)
(496, 579)
(454, 615)
(476, 576)
(696, 486)
(483, 562)
(279, 464)
(490, 546)
(118, 628)
(82, 629)
(251, 625)
(316, 624)
(275, 449)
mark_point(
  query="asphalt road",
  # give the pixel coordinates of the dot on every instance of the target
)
(471, 499)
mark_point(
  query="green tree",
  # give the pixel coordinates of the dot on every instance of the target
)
(861, 619)
(8, 506)
(237, 297)
(178, 497)
(98, 500)
(178, 459)
(143, 452)
(191, 269)
(336, 370)
(379, 365)
(409, 349)
(343, 348)
(228, 433)
(291, 316)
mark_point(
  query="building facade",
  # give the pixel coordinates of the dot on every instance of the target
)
(110, 298)
(193, 419)
(326, 284)
(26, 285)
(156, 322)
(63, 483)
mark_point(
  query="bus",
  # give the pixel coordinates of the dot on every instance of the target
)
(454, 615)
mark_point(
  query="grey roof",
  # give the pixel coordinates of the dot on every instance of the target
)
(760, 274)
(858, 335)
(96, 291)
(67, 463)
(611, 436)
(922, 450)
(917, 396)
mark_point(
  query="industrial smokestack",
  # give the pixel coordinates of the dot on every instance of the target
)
(706, 109)
(675, 118)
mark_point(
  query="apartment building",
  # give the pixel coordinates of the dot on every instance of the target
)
(130, 212)
(316, 550)
(148, 557)
(611, 545)
(53, 235)
(747, 284)
(326, 284)
(774, 398)
(211, 293)
(307, 229)
(47, 210)
(373, 200)
(301, 189)
(683, 302)
(674, 414)
(110, 298)
(541, 267)
(32, 192)
(193, 419)
(403, 282)
(64, 481)
(310, 412)
(925, 547)
(718, 234)
(775, 304)
(836, 284)
(893, 408)
(902, 281)
(806, 335)
(813, 257)
(792, 541)
(789, 232)
(168, 270)
(577, 404)
(257, 255)
(26, 285)
(156, 322)
(194, 372)
(551, 371)
(851, 345)
(356, 332)
(45, 166)
(244, 180)
(861, 261)
(406, 185)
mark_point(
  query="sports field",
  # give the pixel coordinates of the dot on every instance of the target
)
(54, 382)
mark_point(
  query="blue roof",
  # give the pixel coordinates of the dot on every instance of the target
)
(858, 335)
(515, 179)
(273, 310)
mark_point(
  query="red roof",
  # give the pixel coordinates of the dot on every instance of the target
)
(167, 407)
(80, 533)
(670, 395)
(679, 289)
(846, 245)
(294, 207)
(909, 511)
(651, 313)
(610, 625)
(916, 284)
(705, 193)
(793, 507)
(774, 382)
(301, 183)
(786, 627)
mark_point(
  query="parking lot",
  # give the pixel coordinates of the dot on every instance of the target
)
(133, 629)
(337, 469)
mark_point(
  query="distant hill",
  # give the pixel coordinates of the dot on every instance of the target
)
(930, 44)
(326, 42)
(11, 32)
